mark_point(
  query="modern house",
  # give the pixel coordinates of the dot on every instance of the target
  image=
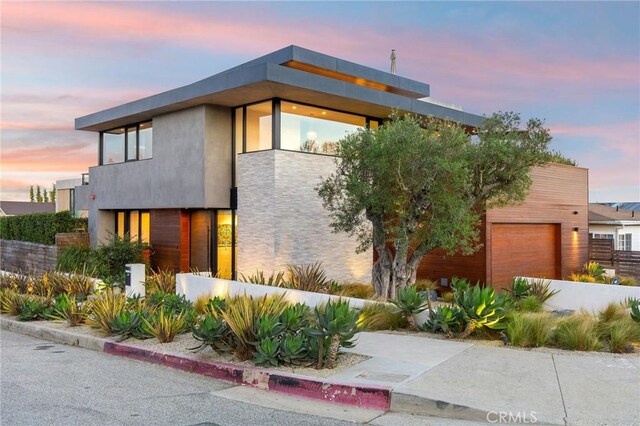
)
(66, 199)
(615, 223)
(219, 175)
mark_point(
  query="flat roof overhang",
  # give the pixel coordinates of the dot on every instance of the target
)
(254, 82)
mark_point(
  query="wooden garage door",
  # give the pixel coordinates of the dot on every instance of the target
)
(530, 250)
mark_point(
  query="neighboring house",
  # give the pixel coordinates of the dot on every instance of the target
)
(17, 208)
(220, 174)
(67, 191)
(633, 206)
(614, 223)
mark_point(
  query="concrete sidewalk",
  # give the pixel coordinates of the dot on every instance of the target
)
(414, 373)
(476, 382)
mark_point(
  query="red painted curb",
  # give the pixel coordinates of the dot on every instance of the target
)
(373, 397)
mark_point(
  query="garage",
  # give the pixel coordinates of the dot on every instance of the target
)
(524, 249)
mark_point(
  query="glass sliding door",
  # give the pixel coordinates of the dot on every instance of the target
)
(224, 244)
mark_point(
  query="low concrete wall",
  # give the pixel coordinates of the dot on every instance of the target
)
(193, 286)
(588, 296)
(26, 257)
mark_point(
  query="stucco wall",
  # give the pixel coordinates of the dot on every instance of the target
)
(281, 219)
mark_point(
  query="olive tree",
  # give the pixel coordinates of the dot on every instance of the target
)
(411, 186)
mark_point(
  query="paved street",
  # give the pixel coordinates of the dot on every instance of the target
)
(43, 383)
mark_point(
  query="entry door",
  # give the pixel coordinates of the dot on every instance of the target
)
(201, 240)
(213, 240)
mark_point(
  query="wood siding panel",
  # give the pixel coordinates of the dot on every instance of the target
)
(530, 250)
(438, 264)
(556, 193)
(200, 237)
(165, 239)
(185, 241)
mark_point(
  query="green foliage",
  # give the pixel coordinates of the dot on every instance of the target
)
(448, 319)
(448, 297)
(164, 325)
(558, 158)
(10, 301)
(33, 308)
(211, 331)
(481, 308)
(380, 316)
(309, 277)
(359, 291)
(109, 259)
(293, 349)
(74, 258)
(68, 308)
(530, 330)
(594, 269)
(338, 323)
(621, 334)
(274, 280)
(409, 172)
(519, 288)
(634, 309)
(540, 289)
(295, 318)
(529, 304)
(578, 332)
(126, 324)
(164, 281)
(409, 302)
(267, 352)
(40, 228)
(106, 306)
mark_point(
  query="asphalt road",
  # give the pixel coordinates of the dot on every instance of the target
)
(44, 383)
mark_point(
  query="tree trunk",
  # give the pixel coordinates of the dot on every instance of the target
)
(332, 356)
(320, 353)
(381, 271)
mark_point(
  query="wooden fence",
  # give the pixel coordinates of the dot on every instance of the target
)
(624, 262)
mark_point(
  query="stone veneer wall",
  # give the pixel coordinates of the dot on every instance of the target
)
(281, 219)
(26, 257)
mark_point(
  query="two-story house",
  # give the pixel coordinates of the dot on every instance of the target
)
(219, 175)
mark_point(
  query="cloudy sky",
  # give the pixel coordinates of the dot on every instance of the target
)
(574, 64)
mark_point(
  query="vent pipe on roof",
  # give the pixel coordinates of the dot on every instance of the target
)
(393, 61)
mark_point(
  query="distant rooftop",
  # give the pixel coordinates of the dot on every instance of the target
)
(16, 208)
(634, 206)
(604, 213)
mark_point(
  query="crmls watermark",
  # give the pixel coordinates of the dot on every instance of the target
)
(521, 417)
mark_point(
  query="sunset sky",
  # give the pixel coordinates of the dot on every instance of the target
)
(574, 64)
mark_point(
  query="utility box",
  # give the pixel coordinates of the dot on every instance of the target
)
(134, 279)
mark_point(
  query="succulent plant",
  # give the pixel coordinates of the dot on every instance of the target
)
(409, 301)
(267, 352)
(519, 288)
(448, 319)
(211, 331)
(338, 322)
(481, 308)
(124, 324)
(295, 318)
(293, 349)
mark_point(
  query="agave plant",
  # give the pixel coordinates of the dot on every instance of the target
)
(448, 319)
(267, 352)
(519, 288)
(634, 308)
(125, 324)
(540, 288)
(594, 269)
(211, 331)
(268, 327)
(295, 318)
(33, 308)
(410, 302)
(293, 349)
(338, 323)
(69, 308)
(481, 308)
(165, 326)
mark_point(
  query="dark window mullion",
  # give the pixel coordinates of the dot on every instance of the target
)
(275, 124)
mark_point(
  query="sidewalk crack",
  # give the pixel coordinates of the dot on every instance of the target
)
(564, 407)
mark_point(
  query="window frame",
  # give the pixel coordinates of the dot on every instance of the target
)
(126, 143)
(127, 224)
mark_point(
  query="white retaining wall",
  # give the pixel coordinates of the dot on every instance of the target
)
(193, 286)
(589, 296)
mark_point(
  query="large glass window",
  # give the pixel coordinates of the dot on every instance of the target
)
(313, 129)
(225, 239)
(135, 224)
(113, 146)
(127, 143)
(145, 141)
(259, 118)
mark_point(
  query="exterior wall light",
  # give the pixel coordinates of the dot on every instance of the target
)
(576, 229)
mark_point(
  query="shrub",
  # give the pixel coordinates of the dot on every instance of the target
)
(425, 285)
(10, 301)
(164, 326)
(409, 302)
(274, 280)
(337, 324)
(577, 332)
(481, 308)
(540, 289)
(241, 314)
(74, 258)
(109, 259)
(447, 296)
(529, 304)
(17, 282)
(40, 228)
(359, 291)
(106, 306)
(583, 278)
(164, 281)
(448, 319)
(530, 330)
(68, 308)
(307, 277)
(621, 335)
(380, 316)
(593, 269)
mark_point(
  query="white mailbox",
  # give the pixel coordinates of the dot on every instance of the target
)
(134, 279)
